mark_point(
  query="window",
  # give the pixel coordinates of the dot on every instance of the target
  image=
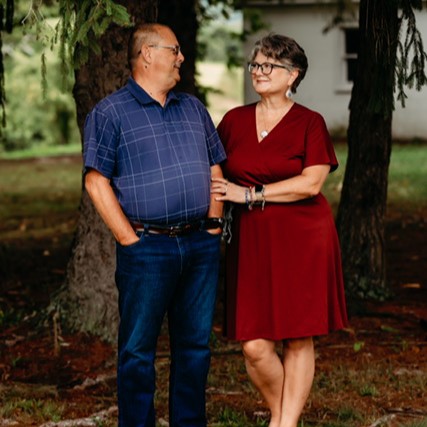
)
(351, 45)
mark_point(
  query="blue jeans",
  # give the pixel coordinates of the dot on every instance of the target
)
(155, 276)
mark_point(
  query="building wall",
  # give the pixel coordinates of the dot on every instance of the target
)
(324, 88)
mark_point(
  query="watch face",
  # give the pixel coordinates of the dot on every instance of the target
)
(215, 222)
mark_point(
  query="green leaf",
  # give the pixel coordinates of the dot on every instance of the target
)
(358, 346)
(386, 328)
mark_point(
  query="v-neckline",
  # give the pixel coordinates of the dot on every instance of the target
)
(261, 140)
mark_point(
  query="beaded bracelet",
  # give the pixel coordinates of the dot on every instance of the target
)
(248, 198)
(260, 192)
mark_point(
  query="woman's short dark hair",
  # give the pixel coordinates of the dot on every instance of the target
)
(285, 50)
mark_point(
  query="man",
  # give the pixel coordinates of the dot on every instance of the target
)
(149, 156)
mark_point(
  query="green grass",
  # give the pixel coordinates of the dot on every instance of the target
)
(418, 423)
(41, 150)
(408, 172)
(35, 409)
(407, 189)
(32, 192)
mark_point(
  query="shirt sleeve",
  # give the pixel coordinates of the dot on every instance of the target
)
(215, 148)
(100, 143)
(318, 146)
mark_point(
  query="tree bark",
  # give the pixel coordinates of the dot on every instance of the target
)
(181, 17)
(362, 208)
(88, 299)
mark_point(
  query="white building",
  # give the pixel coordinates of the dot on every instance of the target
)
(327, 85)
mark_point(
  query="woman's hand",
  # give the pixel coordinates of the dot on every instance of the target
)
(227, 191)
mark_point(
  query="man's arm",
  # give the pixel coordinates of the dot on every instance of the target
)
(107, 205)
(216, 208)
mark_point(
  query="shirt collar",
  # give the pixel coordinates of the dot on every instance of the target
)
(142, 96)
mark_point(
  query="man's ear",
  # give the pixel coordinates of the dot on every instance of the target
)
(146, 53)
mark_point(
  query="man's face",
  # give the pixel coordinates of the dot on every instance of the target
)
(167, 58)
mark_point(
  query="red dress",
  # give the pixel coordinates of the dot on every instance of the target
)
(283, 264)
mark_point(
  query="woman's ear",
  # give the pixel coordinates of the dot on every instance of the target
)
(294, 75)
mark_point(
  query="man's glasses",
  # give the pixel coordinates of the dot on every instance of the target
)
(266, 68)
(176, 49)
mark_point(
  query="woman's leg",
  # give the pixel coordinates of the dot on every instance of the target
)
(265, 370)
(298, 362)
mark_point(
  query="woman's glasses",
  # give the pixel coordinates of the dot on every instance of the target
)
(266, 68)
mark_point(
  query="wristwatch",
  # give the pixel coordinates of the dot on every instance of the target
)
(210, 223)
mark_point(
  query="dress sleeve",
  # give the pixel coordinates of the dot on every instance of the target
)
(318, 146)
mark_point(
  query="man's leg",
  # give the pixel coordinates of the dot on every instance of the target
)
(146, 276)
(190, 324)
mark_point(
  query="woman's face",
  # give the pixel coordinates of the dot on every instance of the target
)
(277, 82)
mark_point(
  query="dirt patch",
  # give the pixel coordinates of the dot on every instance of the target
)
(373, 372)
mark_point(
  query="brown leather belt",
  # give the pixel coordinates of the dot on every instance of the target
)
(179, 229)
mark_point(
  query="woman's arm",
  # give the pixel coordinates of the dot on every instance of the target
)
(299, 187)
(307, 184)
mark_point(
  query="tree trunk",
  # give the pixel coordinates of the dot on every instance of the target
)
(181, 17)
(88, 300)
(361, 213)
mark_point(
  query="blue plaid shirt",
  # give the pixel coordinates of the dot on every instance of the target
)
(157, 158)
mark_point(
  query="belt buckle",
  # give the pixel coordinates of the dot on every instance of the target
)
(187, 228)
(179, 230)
(173, 231)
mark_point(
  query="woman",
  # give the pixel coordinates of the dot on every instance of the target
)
(283, 268)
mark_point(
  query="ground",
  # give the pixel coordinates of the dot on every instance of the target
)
(372, 374)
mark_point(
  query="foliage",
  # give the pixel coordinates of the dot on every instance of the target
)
(79, 24)
(82, 23)
(410, 68)
(228, 39)
(224, 87)
(37, 118)
(362, 209)
(411, 61)
(227, 47)
(45, 50)
(6, 24)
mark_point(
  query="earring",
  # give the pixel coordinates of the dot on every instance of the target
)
(289, 93)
